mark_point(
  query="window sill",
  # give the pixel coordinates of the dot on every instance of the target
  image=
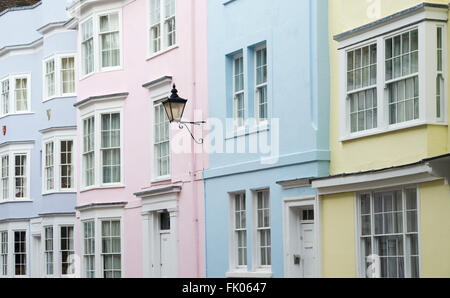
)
(154, 55)
(102, 70)
(17, 114)
(103, 187)
(16, 201)
(246, 274)
(109, 69)
(86, 76)
(161, 179)
(389, 129)
(72, 191)
(59, 97)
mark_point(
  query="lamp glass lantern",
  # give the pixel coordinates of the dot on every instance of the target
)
(174, 106)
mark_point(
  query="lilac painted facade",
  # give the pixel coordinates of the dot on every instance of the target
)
(140, 206)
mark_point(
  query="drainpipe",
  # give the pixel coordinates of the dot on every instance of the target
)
(193, 170)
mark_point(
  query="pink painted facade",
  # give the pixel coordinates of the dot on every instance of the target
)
(186, 64)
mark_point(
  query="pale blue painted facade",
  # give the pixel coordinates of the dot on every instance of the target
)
(296, 37)
(19, 27)
(27, 127)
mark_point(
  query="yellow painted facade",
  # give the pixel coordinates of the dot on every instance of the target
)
(435, 229)
(338, 236)
(380, 151)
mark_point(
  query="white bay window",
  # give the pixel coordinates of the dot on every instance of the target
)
(15, 172)
(101, 42)
(393, 76)
(102, 146)
(57, 159)
(59, 76)
(388, 229)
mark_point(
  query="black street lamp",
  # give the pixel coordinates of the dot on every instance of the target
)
(174, 107)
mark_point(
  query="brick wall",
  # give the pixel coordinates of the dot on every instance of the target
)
(5, 4)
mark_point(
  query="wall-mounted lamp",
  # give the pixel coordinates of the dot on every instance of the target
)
(174, 107)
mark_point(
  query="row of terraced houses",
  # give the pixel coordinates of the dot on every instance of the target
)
(324, 152)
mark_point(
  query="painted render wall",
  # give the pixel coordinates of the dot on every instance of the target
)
(435, 229)
(26, 127)
(295, 33)
(337, 213)
(389, 149)
(188, 67)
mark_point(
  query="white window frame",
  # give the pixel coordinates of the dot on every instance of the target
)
(111, 148)
(8, 93)
(427, 72)
(358, 227)
(256, 245)
(6, 178)
(97, 215)
(155, 167)
(360, 89)
(46, 81)
(47, 251)
(163, 33)
(11, 151)
(4, 250)
(57, 136)
(26, 252)
(50, 156)
(28, 99)
(91, 254)
(233, 238)
(110, 237)
(83, 72)
(158, 93)
(105, 106)
(84, 153)
(235, 93)
(262, 122)
(12, 109)
(97, 58)
(10, 228)
(61, 251)
(441, 76)
(99, 37)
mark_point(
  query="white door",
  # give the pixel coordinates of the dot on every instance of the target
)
(307, 247)
(165, 255)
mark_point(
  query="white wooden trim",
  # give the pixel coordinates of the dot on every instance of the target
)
(382, 179)
(289, 203)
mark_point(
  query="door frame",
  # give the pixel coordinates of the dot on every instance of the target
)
(300, 202)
